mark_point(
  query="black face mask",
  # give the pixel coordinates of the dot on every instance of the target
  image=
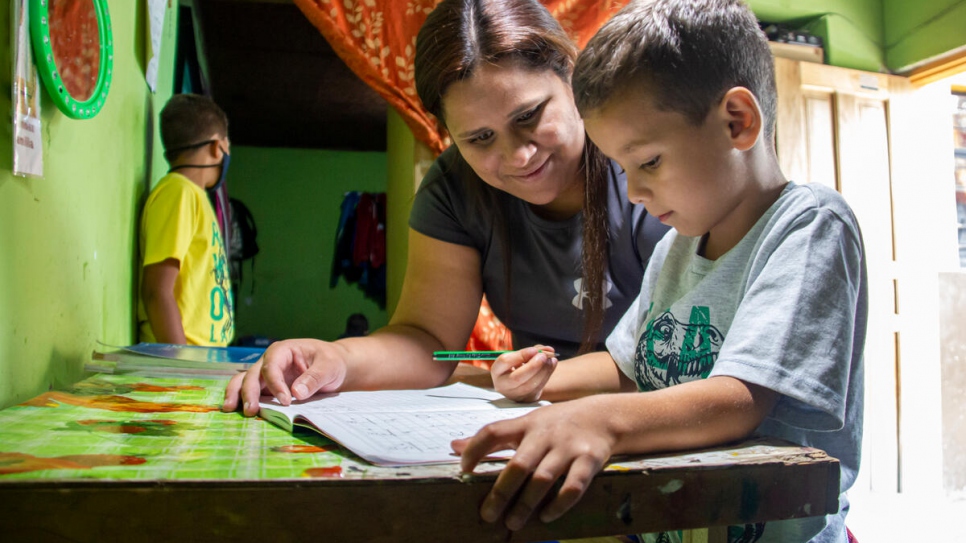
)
(223, 165)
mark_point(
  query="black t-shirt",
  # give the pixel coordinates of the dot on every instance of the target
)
(543, 305)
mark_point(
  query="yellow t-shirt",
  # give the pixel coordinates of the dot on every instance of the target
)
(178, 222)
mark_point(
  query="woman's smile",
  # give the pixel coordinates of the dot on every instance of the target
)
(534, 173)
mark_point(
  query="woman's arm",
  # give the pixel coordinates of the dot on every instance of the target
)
(438, 305)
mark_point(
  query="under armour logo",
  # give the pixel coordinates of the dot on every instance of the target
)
(578, 300)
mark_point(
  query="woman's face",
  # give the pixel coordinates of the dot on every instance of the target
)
(519, 130)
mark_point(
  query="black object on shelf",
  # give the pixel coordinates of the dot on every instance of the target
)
(783, 34)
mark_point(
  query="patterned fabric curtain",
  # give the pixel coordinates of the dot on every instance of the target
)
(489, 334)
(377, 40)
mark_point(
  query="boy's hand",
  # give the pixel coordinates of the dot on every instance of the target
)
(295, 368)
(521, 375)
(562, 440)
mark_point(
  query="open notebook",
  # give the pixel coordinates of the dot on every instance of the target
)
(399, 427)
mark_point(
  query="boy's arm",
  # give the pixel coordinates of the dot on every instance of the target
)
(573, 440)
(691, 415)
(157, 291)
(529, 375)
(593, 373)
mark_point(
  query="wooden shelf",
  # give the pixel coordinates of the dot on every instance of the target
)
(807, 53)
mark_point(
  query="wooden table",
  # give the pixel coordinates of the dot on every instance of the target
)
(126, 458)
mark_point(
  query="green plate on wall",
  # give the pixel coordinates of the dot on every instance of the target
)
(74, 52)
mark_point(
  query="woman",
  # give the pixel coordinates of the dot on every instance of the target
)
(521, 208)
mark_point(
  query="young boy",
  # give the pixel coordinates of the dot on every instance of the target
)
(185, 287)
(752, 313)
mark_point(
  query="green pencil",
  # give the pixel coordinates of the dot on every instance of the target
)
(450, 356)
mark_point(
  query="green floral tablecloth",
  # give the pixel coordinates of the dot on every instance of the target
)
(116, 426)
(128, 427)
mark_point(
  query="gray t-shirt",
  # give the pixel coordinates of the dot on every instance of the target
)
(545, 272)
(786, 309)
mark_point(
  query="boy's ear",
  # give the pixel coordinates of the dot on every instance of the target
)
(214, 147)
(740, 110)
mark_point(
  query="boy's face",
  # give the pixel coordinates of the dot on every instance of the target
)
(218, 156)
(690, 177)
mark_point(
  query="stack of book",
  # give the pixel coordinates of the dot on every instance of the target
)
(163, 359)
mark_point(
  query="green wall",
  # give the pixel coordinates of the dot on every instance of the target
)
(67, 241)
(295, 197)
(851, 29)
(917, 31)
(400, 190)
(875, 35)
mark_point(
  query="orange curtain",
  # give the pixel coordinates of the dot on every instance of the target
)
(489, 334)
(377, 40)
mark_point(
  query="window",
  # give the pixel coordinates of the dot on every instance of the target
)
(959, 138)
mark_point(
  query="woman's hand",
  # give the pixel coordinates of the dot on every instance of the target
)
(568, 440)
(295, 368)
(521, 375)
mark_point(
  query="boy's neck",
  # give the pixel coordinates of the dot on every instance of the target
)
(764, 186)
(197, 170)
(193, 177)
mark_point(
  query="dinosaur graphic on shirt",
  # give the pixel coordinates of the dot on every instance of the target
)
(671, 352)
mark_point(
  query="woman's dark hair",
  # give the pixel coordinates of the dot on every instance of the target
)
(459, 36)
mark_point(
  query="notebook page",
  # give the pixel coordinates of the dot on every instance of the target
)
(403, 438)
(452, 397)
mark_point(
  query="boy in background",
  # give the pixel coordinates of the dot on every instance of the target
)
(185, 286)
(752, 313)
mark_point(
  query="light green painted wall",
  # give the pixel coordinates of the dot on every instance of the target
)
(400, 189)
(917, 31)
(67, 241)
(295, 197)
(851, 29)
(875, 35)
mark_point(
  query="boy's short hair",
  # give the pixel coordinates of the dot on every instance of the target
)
(686, 53)
(188, 120)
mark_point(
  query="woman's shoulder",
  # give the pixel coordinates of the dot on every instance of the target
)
(448, 167)
(448, 178)
(451, 182)
(445, 206)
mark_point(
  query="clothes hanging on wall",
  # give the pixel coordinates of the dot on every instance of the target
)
(360, 244)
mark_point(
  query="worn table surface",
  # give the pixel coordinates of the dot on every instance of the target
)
(126, 458)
